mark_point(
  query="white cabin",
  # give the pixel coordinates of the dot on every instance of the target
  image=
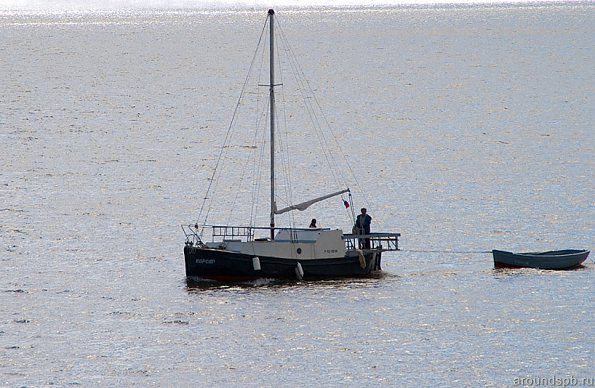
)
(303, 244)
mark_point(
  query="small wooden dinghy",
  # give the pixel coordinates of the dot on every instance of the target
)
(565, 259)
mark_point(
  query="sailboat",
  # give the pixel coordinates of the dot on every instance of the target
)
(241, 253)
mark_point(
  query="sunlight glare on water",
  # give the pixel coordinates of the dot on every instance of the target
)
(90, 5)
(469, 127)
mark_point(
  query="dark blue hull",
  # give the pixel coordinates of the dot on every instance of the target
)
(221, 265)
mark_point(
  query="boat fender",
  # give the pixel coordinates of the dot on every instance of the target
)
(362, 259)
(256, 263)
(299, 271)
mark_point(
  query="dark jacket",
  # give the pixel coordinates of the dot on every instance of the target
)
(362, 223)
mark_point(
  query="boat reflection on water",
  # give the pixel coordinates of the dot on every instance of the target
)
(196, 284)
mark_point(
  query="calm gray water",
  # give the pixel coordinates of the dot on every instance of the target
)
(478, 128)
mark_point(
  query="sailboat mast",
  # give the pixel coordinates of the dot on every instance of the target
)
(272, 116)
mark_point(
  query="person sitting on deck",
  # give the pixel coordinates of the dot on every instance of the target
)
(313, 224)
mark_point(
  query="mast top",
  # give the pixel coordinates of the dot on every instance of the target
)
(271, 12)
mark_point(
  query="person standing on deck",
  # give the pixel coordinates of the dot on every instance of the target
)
(362, 224)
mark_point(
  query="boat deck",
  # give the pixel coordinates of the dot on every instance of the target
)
(372, 241)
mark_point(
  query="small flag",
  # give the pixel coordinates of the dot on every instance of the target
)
(346, 204)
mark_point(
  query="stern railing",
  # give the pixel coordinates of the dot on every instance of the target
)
(375, 241)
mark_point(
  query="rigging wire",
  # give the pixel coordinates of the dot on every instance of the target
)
(326, 138)
(227, 139)
(258, 163)
(283, 141)
(320, 121)
(261, 118)
(313, 109)
(299, 78)
(251, 158)
(260, 141)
